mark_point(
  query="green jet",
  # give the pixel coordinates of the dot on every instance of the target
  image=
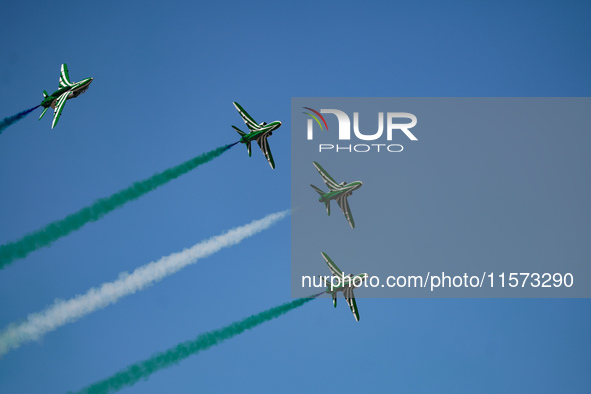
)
(258, 132)
(337, 191)
(66, 91)
(343, 283)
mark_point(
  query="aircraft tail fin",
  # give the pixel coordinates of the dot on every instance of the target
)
(45, 94)
(334, 299)
(43, 113)
(317, 190)
(328, 284)
(242, 133)
(327, 203)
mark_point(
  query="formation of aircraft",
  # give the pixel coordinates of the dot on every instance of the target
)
(66, 91)
(258, 132)
(337, 191)
(346, 284)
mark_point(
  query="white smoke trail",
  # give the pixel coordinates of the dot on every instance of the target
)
(62, 312)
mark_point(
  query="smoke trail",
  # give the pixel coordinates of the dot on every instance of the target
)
(10, 120)
(63, 312)
(52, 232)
(143, 369)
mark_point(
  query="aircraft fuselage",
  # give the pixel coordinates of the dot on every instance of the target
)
(254, 135)
(75, 91)
(348, 281)
(346, 189)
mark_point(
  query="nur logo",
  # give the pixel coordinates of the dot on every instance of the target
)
(345, 129)
(311, 125)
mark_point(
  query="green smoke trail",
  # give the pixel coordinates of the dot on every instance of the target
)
(10, 120)
(143, 369)
(52, 232)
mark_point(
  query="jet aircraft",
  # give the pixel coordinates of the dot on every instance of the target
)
(337, 191)
(258, 132)
(346, 284)
(66, 91)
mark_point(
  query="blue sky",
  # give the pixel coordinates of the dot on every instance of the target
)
(165, 78)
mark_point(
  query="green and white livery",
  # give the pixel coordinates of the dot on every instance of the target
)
(66, 91)
(337, 191)
(340, 282)
(258, 132)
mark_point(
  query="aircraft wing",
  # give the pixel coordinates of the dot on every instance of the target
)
(344, 204)
(332, 266)
(250, 122)
(65, 77)
(264, 145)
(331, 183)
(350, 297)
(59, 106)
